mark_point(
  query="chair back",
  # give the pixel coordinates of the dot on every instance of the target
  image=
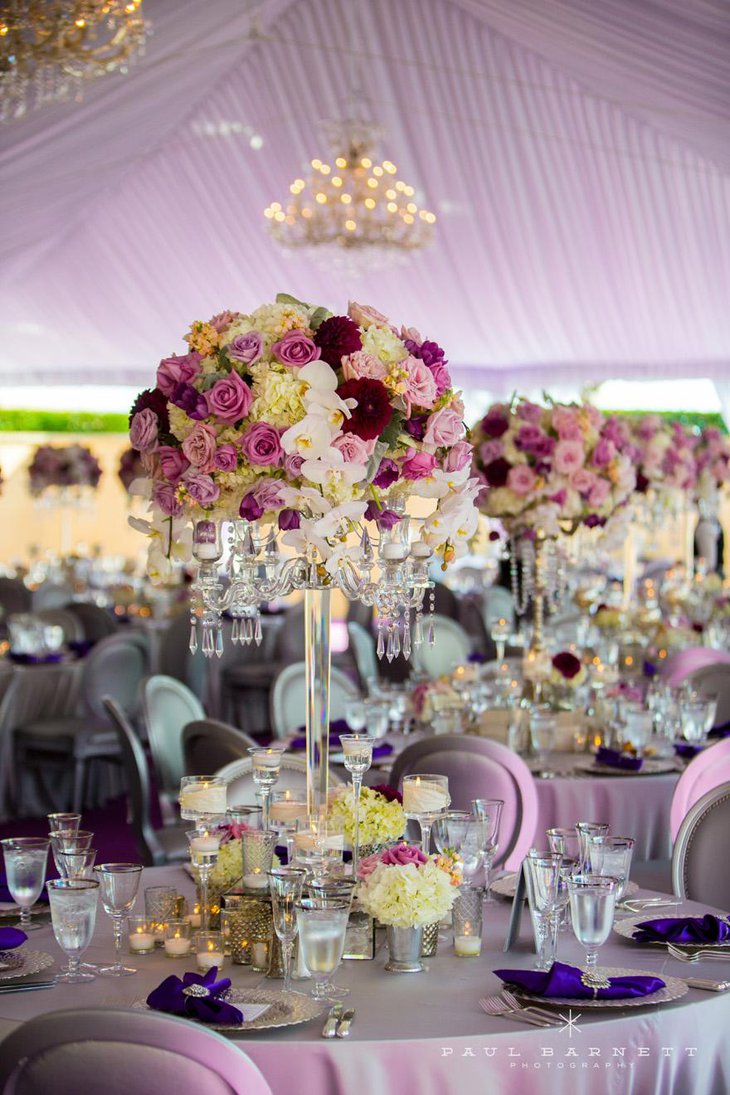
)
(680, 665)
(451, 648)
(362, 646)
(289, 698)
(701, 848)
(209, 744)
(137, 779)
(63, 618)
(169, 706)
(479, 768)
(116, 667)
(499, 604)
(15, 598)
(707, 770)
(96, 623)
(133, 1051)
(292, 777)
(711, 681)
(50, 595)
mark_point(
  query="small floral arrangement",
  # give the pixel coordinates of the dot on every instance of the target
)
(381, 818)
(228, 867)
(405, 888)
(430, 697)
(663, 454)
(567, 670)
(606, 618)
(131, 467)
(63, 466)
(541, 466)
(452, 863)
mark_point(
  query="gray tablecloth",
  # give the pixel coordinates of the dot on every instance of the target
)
(425, 1034)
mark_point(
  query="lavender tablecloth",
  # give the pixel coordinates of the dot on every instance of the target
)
(426, 1035)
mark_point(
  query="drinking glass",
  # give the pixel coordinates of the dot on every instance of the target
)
(63, 821)
(322, 891)
(285, 884)
(358, 749)
(118, 884)
(425, 798)
(466, 835)
(76, 864)
(611, 855)
(319, 844)
(491, 810)
(204, 847)
(284, 812)
(377, 718)
(69, 840)
(266, 767)
(322, 941)
(73, 904)
(697, 717)
(257, 853)
(543, 728)
(542, 878)
(592, 903)
(585, 829)
(25, 870)
(565, 842)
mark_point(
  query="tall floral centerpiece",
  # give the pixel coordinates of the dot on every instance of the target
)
(63, 476)
(130, 467)
(308, 433)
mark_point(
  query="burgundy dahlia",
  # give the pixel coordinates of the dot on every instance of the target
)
(567, 664)
(497, 471)
(373, 411)
(337, 337)
(156, 401)
(388, 792)
(495, 423)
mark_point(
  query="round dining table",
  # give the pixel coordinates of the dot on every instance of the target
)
(425, 1033)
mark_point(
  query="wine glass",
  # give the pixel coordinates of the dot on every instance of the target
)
(542, 877)
(611, 855)
(266, 767)
(425, 798)
(284, 813)
(25, 869)
(592, 904)
(285, 884)
(76, 864)
(543, 728)
(585, 829)
(697, 716)
(202, 797)
(377, 718)
(464, 834)
(63, 821)
(73, 904)
(491, 810)
(322, 941)
(118, 884)
(356, 715)
(358, 749)
(319, 843)
(69, 840)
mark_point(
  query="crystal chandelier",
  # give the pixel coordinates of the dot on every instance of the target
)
(353, 212)
(49, 50)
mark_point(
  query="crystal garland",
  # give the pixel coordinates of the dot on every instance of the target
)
(522, 573)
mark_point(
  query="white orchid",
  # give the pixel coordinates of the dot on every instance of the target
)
(310, 437)
(171, 540)
(331, 471)
(440, 483)
(320, 397)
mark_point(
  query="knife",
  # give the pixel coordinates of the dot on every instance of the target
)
(711, 986)
(330, 1027)
(29, 987)
(345, 1023)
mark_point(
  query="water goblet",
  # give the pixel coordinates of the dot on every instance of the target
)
(69, 840)
(377, 718)
(285, 884)
(465, 835)
(542, 878)
(697, 716)
(266, 767)
(592, 904)
(322, 941)
(73, 904)
(318, 844)
(76, 864)
(585, 829)
(25, 870)
(57, 822)
(611, 855)
(425, 798)
(565, 842)
(204, 847)
(499, 632)
(358, 750)
(543, 728)
(118, 885)
(285, 810)
(491, 810)
(325, 890)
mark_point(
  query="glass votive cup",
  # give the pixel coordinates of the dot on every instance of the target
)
(160, 905)
(194, 916)
(261, 953)
(467, 921)
(208, 947)
(258, 853)
(141, 937)
(177, 939)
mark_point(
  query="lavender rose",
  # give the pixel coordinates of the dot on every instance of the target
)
(458, 456)
(230, 399)
(143, 431)
(444, 428)
(226, 458)
(245, 348)
(200, 447)
(173, 463)
(166, 498)
(295, 349)
(261, 445)
(175, 370)
(202, 489)
(402, 855)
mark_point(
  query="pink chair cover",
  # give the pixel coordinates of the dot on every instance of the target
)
(680, 665)
(706, 771)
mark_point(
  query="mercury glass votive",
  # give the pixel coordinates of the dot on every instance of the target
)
(467, 921)
(258, 853)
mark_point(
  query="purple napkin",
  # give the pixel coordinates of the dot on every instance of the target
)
(687, 751)
(684, 929)
(10, 938)
(171, 996)
(561, 980)
(35, 659)
(613, 758)
(721, 731)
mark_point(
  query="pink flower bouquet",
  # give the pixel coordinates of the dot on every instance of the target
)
(63, 466)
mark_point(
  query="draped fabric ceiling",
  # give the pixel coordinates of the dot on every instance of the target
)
(577, 153)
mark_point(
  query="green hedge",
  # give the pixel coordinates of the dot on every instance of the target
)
(17, 421)
(687, 418)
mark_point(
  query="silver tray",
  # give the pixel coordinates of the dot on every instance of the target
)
(286, 1009)
(648, 768)
(33, 962)
(627, 927)
(674, 988)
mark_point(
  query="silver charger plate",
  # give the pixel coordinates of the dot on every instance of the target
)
(674, 988)
(286, 1009)
(648, 768)
(33, 962)
(505, 887)
(627, 927)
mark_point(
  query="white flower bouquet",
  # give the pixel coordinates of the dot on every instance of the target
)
(404, 888)
(381, 819)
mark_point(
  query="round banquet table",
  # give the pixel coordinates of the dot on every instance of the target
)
(425, 1034)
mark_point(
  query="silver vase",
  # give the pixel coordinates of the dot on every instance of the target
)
(404, 950)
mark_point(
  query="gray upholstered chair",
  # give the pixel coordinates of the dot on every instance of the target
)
(123, 1052)
(714, 680)
(452, 647)
(289, 698)
(292, 777)
(700, 851)
(208, 744)
(362, 646)
(168, 705)
(96, 623)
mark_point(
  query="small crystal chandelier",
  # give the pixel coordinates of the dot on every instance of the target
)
(49, 50)
(354, 212)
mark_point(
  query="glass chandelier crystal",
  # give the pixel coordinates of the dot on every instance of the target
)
(49, 50)
(354, 211)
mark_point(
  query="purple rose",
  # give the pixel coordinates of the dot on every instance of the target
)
(527, 437)
(250, 509)
(230, 399)
(166, 498)
(226, 458)
(543, 446)
(603, 453)
(265, 495)
(190, 400)
(202, 489)
(173, 463)
(384, 518)
(289, 519)
(245, 348)
(495, 423)
(416, 426)
(497, 471)
(295, 349)
(402, 855)
(175, 370)
(386, 474)
(530, 412)
(143, 431)
(293, 465)
(442, 377)
(490, 450)
(418, 465)
(261, 445)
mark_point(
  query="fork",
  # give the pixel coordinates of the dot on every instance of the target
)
(549, 1016)
(495, 1005)
(698, 955)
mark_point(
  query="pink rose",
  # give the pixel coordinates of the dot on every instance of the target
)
(402, 855)
(367, 865)
(226, 458)
(521, 479)
(365, 316)
(199, 447)
(353, 448)
(418, 465)
(245, 348)
(261, 445)
(443, 429)
(410, 334)
(143, 431)
(165, 497)
(202, 489)
(490, 450)
(230, 399)
(568, 457)
(295, 349)
(458, 456)
(565, 421)
(583, 480)
(441, 376)
(530, 412)
(420, 386)
(603, 453)
(363, 365)
(173, 463)
(599, 493)
(175, 370)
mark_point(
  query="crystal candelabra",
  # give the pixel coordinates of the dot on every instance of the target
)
(390, 576)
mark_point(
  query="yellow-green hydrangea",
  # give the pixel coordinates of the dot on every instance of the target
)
(381, 342)
(380, 820)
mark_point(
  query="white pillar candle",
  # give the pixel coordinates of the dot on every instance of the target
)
(177, 946)
(193, 919)
(205, 844)
(285, 810)
(394, 552)
(466, 946)
(420, 549)
(205, 960)
(269, 758)
(257, 880)
(260, 954)
(141, 942)
(204, 798)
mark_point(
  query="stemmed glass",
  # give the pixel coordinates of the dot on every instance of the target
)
(118, 884)
(63, 821)
(611, 856)
(543, 727)
(266, 767)
(322, 941)
(202, 797)
(356, 715)
(542, 876)
(592, 904)
(25, 868)
(491, 810)
(204, 847)
(586, 829)
(465, 834)
(76, 864)
(68, 840)
(358, 749)
(284, 813)
(73, 915)
(425, 798)
(319, 843)
(499, 633)
(565, 842)
(286, 884)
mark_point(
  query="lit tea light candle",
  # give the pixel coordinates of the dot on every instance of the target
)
(256, 880)
(141, 942)
(205, 797)
(287, 810)
(194, 918)
(177, 946)
(209, 952)
(467, 945)
(205, 844)
(260, 954)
